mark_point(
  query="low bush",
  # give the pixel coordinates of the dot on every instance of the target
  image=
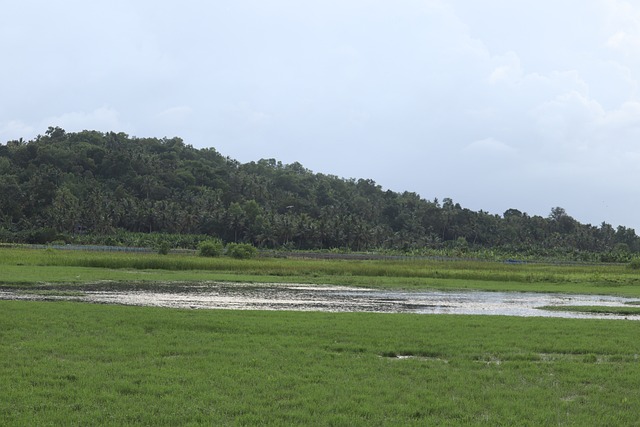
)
(42, 236)
(241, 250)
(163, 248)
(635, 264)
(211, 248)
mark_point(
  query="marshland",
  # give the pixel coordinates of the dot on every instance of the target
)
(66, 361)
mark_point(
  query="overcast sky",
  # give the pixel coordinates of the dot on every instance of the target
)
(496, 104)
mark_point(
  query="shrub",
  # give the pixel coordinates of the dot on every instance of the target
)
(241, 250)
(210, 248)
(163, 248)
(42, 236)
(635, 264)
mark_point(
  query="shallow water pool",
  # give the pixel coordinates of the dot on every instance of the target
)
(238, 296)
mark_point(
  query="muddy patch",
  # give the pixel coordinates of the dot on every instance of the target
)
(298, 297)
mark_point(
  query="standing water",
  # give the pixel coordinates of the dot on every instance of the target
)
(238, 296)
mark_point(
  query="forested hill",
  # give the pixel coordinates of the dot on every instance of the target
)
(62, 185)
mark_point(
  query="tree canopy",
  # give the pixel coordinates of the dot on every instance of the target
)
(62, 185)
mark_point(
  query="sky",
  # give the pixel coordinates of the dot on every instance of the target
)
(495, 104)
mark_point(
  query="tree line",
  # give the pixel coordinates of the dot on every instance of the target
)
(72, 186)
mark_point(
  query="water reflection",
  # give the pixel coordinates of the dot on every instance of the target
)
(327, 298)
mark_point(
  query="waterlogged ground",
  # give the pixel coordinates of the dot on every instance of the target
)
(237, 296)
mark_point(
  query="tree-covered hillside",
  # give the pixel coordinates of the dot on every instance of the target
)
(62, 185)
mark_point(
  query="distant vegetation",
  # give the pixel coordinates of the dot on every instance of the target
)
(38, 267)
(110, 188)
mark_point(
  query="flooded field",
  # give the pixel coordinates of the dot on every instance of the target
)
(237, 296)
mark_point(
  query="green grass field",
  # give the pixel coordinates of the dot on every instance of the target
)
(65, 363)
(80, 364)
(624, 311)
(27, 266)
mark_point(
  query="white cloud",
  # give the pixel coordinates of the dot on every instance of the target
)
(103, 118)
(619, 130)
(624, 41)
(576, 121)
(623, 25)
(569, 108)
(15, 129)
(175, 115)
(508, 68)
(490, 146)
(248, 116)
(627, 116)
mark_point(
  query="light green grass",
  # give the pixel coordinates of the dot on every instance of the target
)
(24, 266)
(79, 364)
(65, 363)
(622, 311)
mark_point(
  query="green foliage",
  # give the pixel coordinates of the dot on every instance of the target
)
(42, 236)
(110, 188)
(211, 248)
(635, 264)
(139, 240)
(163, 248)
(241, 250)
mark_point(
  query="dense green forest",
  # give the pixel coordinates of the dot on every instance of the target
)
(81, 187)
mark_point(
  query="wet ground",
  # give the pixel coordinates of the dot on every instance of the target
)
(237, 296)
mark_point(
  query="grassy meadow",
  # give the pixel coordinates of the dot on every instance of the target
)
(78, 364)
(27, 267)
(67, 363)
